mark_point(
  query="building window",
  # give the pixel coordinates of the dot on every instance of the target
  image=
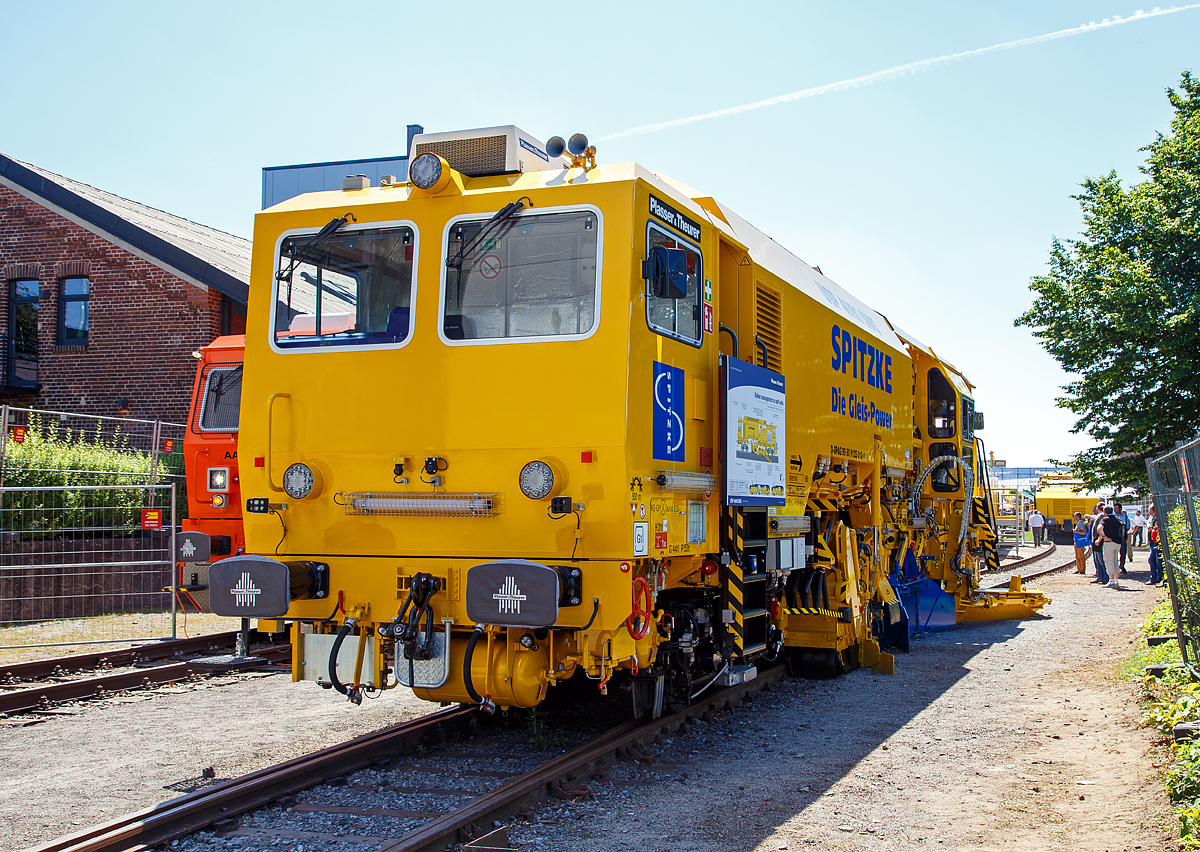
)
(22, 341)
(73, 294)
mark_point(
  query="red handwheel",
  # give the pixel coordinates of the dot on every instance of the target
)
(639, 621)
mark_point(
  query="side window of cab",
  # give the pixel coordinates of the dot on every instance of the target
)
(674, 270)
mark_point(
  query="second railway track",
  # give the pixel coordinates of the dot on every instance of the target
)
(40, 684)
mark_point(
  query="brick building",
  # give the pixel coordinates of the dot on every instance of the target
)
(103, 300)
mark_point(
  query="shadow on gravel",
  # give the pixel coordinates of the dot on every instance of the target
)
(782, 750)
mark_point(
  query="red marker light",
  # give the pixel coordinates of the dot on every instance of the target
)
(708, 567)
(624, 567)
(587, 456)
(260, 461)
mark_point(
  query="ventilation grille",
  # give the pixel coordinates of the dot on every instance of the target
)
(483, 155)
(768, 324)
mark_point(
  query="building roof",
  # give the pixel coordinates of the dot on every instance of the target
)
(198, 252)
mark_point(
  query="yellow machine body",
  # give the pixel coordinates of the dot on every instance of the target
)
(458, 419)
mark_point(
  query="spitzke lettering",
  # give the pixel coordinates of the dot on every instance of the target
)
(856, 357)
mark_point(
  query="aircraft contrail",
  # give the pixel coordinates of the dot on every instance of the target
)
(899, 71)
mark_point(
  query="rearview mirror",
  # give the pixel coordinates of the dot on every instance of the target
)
(978, 421)
(666, 270)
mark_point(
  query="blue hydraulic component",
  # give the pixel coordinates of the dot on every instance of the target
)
(929, 609)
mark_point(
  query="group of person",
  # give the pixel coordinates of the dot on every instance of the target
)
(1106, 536)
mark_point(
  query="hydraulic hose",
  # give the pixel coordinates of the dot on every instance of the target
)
(486, 703)
(968, 481)
(333, 655)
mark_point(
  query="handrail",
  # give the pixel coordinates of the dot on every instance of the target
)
(270, 408)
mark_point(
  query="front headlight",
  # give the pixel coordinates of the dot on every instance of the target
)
(218, 479)
(426, 170)
(537, 480)
(298, 481)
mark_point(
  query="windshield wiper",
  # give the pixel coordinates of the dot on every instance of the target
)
(503, 215)
(320, 237)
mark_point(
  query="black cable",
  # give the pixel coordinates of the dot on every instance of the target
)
(284, 527)
(595, 609)
(470, 652)
(333, 655)
(336, 607)
(578, 521)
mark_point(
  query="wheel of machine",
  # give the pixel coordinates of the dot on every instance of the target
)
(647, 694)
(677, 694)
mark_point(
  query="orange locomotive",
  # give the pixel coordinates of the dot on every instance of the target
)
(210, 458)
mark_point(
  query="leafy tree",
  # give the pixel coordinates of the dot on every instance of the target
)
(1120, 306)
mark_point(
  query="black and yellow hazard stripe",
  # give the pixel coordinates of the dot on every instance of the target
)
(823, 554)
(984, 533)
(808, 610)
(735, 594)
(821, 504)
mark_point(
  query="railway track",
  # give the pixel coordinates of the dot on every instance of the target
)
(1033, 575)
(40, 684)
(403, 789)
(52, 666)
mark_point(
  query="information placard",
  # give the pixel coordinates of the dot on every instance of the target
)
(755, 456)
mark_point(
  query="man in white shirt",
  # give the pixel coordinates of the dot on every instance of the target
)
(1139, 525)
(1036, 523)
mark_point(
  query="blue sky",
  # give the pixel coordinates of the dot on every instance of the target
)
(932, 196)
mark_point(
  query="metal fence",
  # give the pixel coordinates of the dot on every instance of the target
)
(87, 564)
(1173, 480)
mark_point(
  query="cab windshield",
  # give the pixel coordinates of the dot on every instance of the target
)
(533, 276)
(351, 289)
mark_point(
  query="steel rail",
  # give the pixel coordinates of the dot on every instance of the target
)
(35, 669)
(534, 786)
(41, 695)
(160, 823)
(1034, 575)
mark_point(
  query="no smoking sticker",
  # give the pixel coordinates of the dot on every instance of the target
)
(489, 266)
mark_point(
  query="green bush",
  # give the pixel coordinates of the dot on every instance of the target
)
(1179, 537)
(1161, 620)
(50, 458)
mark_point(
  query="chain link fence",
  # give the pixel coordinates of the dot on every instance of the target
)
(87, 564)
(1173, 478)
(42, 447)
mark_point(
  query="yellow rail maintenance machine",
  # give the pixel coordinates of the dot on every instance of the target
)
(497, 431)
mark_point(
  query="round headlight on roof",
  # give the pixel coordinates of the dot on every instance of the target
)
(298, 481)
(426, 170)
(537, 480)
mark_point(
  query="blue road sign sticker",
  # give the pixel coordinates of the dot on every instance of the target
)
(669, 443)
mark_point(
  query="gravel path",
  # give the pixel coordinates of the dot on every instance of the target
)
(1005, 735)
(124, 753)
(1015, 736)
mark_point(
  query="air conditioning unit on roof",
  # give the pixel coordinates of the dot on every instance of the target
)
(486, 151)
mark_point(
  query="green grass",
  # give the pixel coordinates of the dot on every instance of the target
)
(1166, 702)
